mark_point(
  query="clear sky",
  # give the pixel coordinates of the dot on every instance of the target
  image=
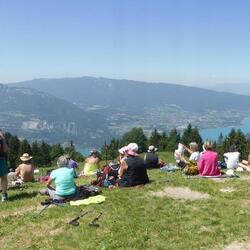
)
(196, 42)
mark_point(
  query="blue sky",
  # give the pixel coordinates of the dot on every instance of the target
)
(196, 42)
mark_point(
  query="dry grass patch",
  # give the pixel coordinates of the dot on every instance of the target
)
(183, 193)
(245, 202)
(56, 231)
(238, 246)
(245, 178)
(20, 211)
(218, 179)
(227, 190)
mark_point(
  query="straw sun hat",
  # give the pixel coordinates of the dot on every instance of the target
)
(25, 157)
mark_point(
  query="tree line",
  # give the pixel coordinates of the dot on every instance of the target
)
(169, 141)
(44, 154)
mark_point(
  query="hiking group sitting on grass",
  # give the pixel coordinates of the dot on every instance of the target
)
(132, 172)
(129, 170)
(206, 163)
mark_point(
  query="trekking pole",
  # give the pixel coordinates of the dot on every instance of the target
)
(48, 203)
(93, 223)
(43, 209)
(75, 221)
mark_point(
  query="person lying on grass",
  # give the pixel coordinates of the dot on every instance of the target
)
(63, 178)
(133, 171)
(208, 162)
(245, 164)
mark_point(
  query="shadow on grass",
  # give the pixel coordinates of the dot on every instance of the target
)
(23, 195)
(22, 187)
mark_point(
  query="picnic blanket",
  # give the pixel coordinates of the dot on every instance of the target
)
(210, 177)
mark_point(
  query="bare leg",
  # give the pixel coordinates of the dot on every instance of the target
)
(4, 184)
(244, 162)
(248, 160)
(245, 167)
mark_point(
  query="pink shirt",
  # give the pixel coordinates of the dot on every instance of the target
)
(208, 164)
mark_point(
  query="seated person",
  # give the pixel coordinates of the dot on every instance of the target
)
(245, 164)
(208, 162)
(179, 156)
(194, 154)
(91, 164)
(123, 153)
(133, 171)
(193, 150)
(63, 178)
(72, 164)
(151, 158)
(25, 171)
(232, 157)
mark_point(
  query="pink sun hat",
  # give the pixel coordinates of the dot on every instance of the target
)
(133, 149)
(123, 150)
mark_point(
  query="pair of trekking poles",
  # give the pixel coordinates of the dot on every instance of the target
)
(93, 223)
(75, 221)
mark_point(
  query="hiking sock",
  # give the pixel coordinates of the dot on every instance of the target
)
(4, 197)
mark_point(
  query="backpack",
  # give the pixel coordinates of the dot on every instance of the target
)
(191, 168)
(108, 175)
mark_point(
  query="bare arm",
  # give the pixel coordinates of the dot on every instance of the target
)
(188, 149)
(123, 168)
(49, 182)
(18, 171)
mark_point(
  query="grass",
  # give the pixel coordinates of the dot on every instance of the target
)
(132, 219)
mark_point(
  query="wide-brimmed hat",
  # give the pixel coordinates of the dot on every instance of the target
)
(133, 149)
(25, 157)
(123, 150)
(152, 148)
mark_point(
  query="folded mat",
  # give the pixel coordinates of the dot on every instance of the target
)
(91, 200)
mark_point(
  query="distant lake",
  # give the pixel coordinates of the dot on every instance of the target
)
(213, 133)
(209, 133)
(85, 151)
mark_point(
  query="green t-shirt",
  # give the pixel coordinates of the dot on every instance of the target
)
(64, 181)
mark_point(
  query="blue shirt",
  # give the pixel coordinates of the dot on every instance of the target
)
(72, 164)
(64, 181)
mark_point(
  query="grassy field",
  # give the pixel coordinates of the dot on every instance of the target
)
(132, 218)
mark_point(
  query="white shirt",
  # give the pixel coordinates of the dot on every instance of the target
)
(195, 156)
(232, 159)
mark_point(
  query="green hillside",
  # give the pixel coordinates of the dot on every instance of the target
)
(133, 218)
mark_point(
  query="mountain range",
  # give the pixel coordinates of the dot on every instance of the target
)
(90, 110)
(236, 88)
(38, 115)
(134, 95)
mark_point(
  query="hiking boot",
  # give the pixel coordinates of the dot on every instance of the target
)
(4, 197)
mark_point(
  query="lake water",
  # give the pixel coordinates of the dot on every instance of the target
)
(85, 151)
(213, 133)
(210, 133)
